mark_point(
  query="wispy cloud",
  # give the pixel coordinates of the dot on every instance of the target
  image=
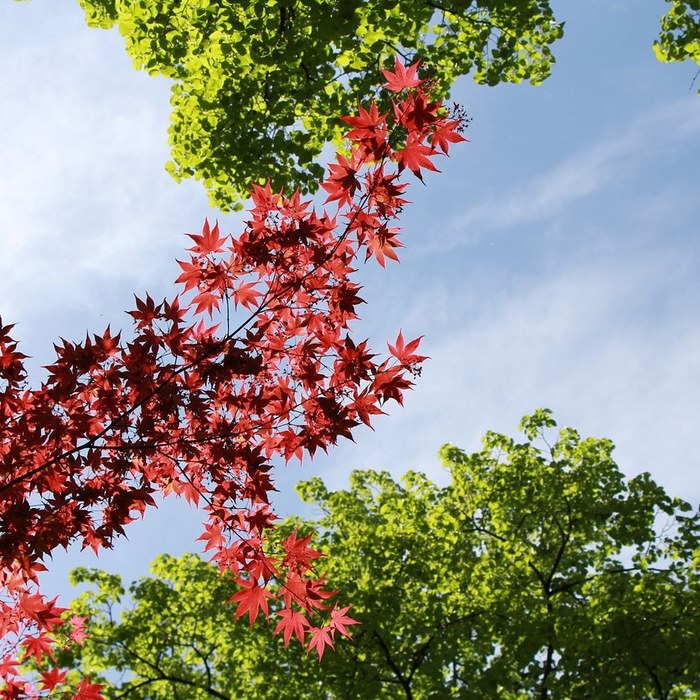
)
(616, 157)
(587, 342)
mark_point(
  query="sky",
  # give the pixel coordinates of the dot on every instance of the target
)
(553, 262)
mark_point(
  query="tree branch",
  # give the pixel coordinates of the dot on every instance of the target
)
(163, 676)
(400, 678)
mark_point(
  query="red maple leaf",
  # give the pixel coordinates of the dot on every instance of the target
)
(444, 134)
(405, 352)
(298, 553)
(365, 404)
(146, 311)
(51, 678)
(246, 294)
(8, 666)
(209, 241)
(415, 113)
(342, 182)
(213, 536)
(370, 132)
(291, 623)
(383, 243)
(366, 125)
(207, 301)
(88, 691)
(252, 599)
(191, 276)
(37, 646)
(416, 155)
(78, 634)
(321, 637)
(402, 77)
(339, 620)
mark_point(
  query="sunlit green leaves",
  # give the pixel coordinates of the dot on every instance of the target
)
(249, 78)
(680, 32)
(173, 636)
(539, 571)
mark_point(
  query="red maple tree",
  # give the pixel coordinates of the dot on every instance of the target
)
(251, 361)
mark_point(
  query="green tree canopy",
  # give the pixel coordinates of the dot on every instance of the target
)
(259, 86)
(679, 39)
(538, 572)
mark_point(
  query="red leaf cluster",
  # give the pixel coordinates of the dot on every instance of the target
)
(251, 361)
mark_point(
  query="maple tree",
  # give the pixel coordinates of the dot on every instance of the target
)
(252, 361)
(538, 571)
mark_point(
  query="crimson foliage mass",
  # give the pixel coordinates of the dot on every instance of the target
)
(251, 361)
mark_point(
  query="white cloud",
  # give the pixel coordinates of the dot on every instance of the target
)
(616, 157)
(585, 343)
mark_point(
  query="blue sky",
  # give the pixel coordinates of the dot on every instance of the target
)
(554, 262)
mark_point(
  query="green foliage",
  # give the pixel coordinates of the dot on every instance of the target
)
(176, 638)
(680, 32)
(539, 572)
(258, 86)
